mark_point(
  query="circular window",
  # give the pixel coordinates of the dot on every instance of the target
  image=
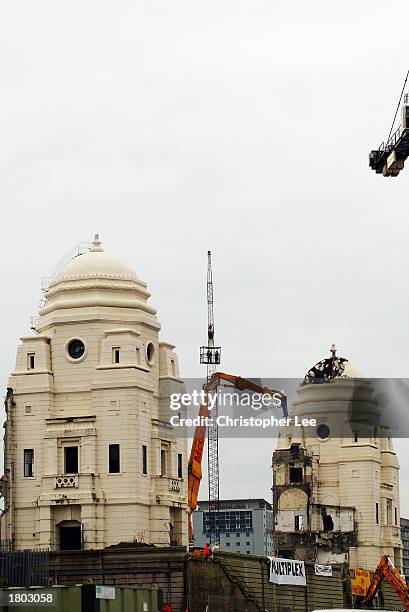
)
(150, 353)
(323, 431)
(76, 349)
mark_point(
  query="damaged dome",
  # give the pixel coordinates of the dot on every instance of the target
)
(330, 368)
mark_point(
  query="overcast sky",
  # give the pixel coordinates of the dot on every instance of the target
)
(242, 127)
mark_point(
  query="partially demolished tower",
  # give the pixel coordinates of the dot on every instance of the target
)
(336, 488)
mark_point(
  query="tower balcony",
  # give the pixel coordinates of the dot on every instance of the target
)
(66, 480)
(165, 486)
(391, 534)
(58, 482)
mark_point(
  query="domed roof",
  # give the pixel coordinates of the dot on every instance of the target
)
(95, 264)
(94, 280)
(331, 368)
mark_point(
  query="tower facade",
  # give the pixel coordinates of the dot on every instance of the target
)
(90, 457)
(336, 488)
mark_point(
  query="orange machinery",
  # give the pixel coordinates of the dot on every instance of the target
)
(196, 453)
(387, 570)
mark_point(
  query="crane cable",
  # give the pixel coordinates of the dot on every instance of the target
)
(397, 109)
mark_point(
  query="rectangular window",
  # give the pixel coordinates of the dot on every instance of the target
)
(163, 467)
(138, 356)
(29, 409)
(144, 460)
(295, 475)
(298, 522)
(396, 516)
(227, 543)
(71, 459)
(355, 436)
(116, 354)
(28, 462)
(389, 512)
(377, 513)
(173, 367)
(180, 465)
(114, 460)
(30, 361)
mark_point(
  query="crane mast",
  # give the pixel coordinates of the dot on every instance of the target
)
(211, 356)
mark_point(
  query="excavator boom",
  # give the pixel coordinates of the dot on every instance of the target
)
(387, 570)
(196, 453)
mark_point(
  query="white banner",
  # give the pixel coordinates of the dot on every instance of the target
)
(323, 570)
(287, 571)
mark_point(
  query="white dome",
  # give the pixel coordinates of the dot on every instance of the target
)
(95, 264)
(95, 280)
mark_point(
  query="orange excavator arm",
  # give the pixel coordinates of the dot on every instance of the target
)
(387, 570)
(196, 453)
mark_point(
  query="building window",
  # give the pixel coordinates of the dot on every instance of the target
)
(173, 367)
(237, 543)
(28, 462)
(328, 523)
(355, 436)
(29, 409)
(298, 522)
(295, 475)
(377, 513)
(76, 349)
(116, 354)
(138, 356)
(144, 460)
(228, 536)
(163, 466)
(114, 460)
(389, 512)
(71, 459)
(323, 431)
(180, 465)
(396, 516)
(227, 543)
(150, 353)
(247, 543)
(31, 361)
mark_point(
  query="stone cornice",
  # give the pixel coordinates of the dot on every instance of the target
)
(43, 337)
(89, 301)
(121, 330)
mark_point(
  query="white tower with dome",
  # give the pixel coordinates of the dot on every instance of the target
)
(336, 486)
(90, 457)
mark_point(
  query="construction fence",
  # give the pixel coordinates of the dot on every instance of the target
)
(228, 582)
